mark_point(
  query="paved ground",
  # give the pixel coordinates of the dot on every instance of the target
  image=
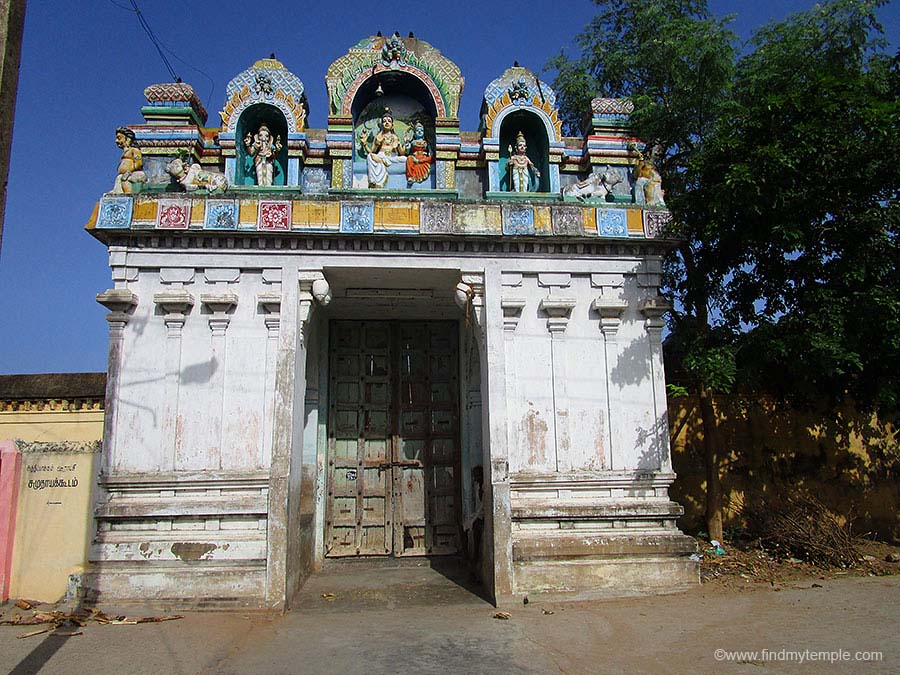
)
(412, 619)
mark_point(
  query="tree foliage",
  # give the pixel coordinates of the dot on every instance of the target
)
(800, 180)
(671, 57)
(781, 170)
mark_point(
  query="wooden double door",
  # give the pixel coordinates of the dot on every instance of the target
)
(393, 439)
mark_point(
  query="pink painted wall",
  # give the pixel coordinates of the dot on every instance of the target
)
(10, 469)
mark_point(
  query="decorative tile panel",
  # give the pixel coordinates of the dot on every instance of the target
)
(115, 213)
(542, 220)
(315, 215)
(655, 223)
(436, 219)
(173, 214)
(568, 221)
(397, 216)
(477, 219)
(144, 210)
(612, 223)
(357, 217)
(518, 220)
(274, 215)
(221, 214)
(249, 213)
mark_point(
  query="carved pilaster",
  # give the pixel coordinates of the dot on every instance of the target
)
(121, 304)
(220, 306)
(610, 311)
(176, 304)
(474, 281)
(271, 307)
(314, 287)
(653, 310)
(512, 307)
(558, 309)
(270, 304)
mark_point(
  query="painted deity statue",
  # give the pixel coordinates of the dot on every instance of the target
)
(263, 150)
(520, 167)
(418, 157)
(647, 181)
(130, 171)
(382, 150)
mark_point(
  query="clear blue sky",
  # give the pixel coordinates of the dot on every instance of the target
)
(84, 69)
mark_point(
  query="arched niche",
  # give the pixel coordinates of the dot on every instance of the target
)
(538, 146)
(409, 101)
(249, 122)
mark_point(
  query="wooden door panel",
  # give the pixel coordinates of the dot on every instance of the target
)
(393, 454)
(427, 410)
(358, 507)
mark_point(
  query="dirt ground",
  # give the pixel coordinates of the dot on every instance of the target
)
(747, 563)
(749, 616)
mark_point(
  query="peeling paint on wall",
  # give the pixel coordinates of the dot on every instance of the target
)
(188, 551)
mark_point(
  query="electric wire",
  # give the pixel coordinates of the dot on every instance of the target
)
(161, 47)
(152, 36)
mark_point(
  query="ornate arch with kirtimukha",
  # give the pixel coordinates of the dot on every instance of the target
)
(411, 81)
(266, 81)
(265, 95)
(519, 99)
(378, 55)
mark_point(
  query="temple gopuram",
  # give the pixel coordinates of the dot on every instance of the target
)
(385, 338)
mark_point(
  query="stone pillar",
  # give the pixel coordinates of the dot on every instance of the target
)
(176, 305)
(653, 310)
(284, 565)
(282, 438)
(611, 310)
(121, 303)
(486, 309)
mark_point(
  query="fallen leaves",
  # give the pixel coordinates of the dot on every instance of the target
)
(55, 620)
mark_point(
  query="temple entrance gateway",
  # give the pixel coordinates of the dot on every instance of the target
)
(393, 439)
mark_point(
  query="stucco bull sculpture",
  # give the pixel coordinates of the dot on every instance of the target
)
(192, 177)
(595, 186)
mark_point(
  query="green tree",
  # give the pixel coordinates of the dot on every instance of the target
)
(675, 61)
(800, 177)
(781, 170)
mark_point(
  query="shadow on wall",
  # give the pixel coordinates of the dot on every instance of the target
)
(849, 461)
